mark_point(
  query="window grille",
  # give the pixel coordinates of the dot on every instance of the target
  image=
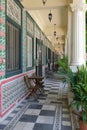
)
(13, 48)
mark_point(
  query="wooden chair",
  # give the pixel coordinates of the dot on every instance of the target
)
(39, 80)
(32, 89)
(37, 84)
(32, 86)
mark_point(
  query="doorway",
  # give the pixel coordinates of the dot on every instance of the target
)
(39, 44)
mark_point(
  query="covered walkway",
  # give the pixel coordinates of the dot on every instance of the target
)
(33, 37)
(48, 112)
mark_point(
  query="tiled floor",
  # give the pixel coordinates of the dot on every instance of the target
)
(49, 112)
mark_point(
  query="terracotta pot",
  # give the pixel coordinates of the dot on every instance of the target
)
(82, 125)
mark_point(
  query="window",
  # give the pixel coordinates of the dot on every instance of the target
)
(29, 51)
(13, 48)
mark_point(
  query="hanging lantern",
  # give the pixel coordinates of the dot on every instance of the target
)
(50, 16)
(54, 30)
(54, 33)
(44, 1)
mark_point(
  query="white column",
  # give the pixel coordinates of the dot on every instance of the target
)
(78, 34)
(69, 35)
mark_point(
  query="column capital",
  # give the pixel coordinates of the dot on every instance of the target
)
(78, 7)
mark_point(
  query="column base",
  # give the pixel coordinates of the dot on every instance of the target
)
(77, 63)
(73, 68)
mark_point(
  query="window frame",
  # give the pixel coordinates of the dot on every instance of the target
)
(15, 71)
(29, 52)
(30, 68)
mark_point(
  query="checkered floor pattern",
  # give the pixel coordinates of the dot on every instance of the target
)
(48, 112)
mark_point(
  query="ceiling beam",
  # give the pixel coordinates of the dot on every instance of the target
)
(46, 8)
(38, 6)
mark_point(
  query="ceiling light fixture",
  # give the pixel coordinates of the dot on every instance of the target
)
(54, 33)
(44, 1)
(50, 16)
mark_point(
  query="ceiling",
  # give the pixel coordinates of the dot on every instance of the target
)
(40, 12)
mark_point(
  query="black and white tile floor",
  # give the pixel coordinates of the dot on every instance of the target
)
(49, 112)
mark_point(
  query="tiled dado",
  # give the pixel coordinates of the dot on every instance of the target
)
(12, 92)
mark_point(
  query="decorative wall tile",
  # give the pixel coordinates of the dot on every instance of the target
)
(2, 39)
(30, 26)
(12, 92)
(14, 11)
(37, 32)
(24, 41)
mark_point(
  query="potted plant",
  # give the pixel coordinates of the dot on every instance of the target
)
(78, 85)
(80, 96)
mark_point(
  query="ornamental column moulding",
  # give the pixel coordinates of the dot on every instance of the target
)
(78, 53)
